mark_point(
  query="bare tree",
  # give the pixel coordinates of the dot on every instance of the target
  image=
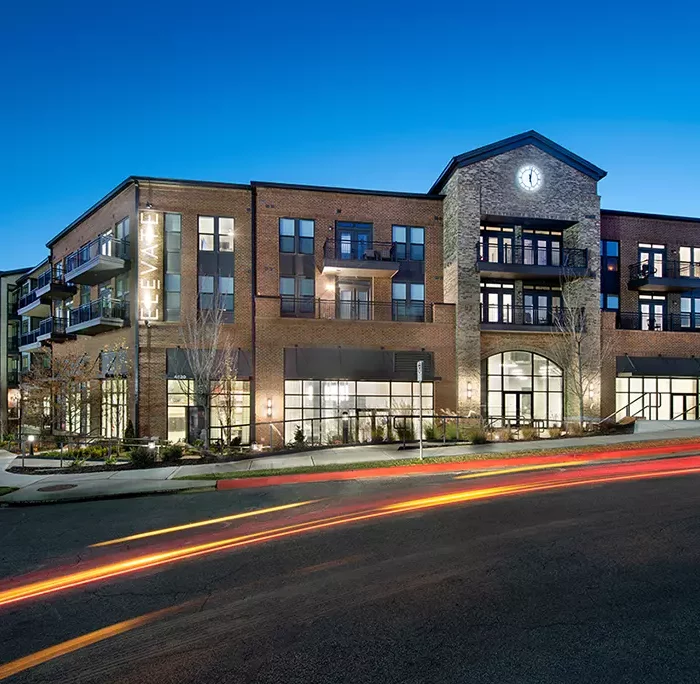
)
(576, 345)
(211, 358)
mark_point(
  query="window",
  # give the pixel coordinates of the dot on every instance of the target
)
(497, 302)
(226, 234)
(114, 403)
(409, 241)
(408, 301)
(206, 292)
(496, 245)
(610, 275)
(84, 294)
(689, 266)
(226, 293)
(652, 312)
(206, 233)
(296, 236)
(690, 311)
(230, 410)
(522, 387)
(121, 229)
(121, 287)
(297, 295)
(171, 281)
(657, 398)
(318, 407)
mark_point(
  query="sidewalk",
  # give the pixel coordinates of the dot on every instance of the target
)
(38, 488)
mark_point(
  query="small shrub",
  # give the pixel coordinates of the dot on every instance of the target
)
(111, 459)
(405, 432)
(476, 435)
(504, 434)
(528, 432)
(129, 432)
(236, 441)
(377, 434)
(143, 457)
(299, 436)
(173, 453)
(332, 440)
(574, 430)
(554, 432)
(429, 431)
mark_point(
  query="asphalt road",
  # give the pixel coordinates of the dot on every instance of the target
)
(594, 583)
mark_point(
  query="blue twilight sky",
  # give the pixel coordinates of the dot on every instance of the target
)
(361, 94)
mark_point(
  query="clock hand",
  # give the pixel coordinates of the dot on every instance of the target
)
(530, 176)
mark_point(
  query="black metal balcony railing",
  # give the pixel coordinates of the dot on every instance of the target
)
(12, 344)
(27, 299)
(105, 245)
(28, 337)
(50, 276)
(560, 318)
(666, 269)
(100, 308)
(674, 322)
(308, 307)
(359, 250)
(524, 255)
(53, 325)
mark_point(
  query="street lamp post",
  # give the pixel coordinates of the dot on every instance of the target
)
(269, 417)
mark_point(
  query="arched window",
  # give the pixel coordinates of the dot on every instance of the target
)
(522, 387)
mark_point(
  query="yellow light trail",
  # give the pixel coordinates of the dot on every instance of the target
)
(203, 523)
(71, 645)
(522, 469)
(153, 560)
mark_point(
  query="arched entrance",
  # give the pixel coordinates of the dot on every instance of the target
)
(523, 387)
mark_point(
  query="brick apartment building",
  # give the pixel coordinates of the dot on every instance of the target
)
(332, 295)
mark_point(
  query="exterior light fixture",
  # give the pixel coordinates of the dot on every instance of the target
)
(269, 408)
(469, 390)
(149, 205)
(590, 393)
(345, 417)
(151, 445)
(30, 438)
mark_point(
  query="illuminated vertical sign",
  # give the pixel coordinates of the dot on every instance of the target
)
(150, 266)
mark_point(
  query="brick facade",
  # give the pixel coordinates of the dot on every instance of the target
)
(471, 194)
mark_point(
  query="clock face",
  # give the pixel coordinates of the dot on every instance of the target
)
(530, 178)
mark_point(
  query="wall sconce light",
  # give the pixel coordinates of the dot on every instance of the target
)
(469, 390)
(269, 408)
(149, 205)
(590, 393)
(151, 446)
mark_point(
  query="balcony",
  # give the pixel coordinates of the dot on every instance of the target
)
(669, 276)
(668, 322)
(53, 329)
(50, 285)
(330, 309)
(97, 317)
(97, 261)
(530, 263)
(12, 377)
(532, 319)
(28, 341)
(360, 258)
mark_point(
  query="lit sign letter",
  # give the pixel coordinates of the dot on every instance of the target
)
(150, 266)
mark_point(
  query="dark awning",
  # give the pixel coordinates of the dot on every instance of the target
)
(337, 363)
(178, 366)
(658, 365)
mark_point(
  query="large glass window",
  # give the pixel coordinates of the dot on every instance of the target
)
(114, 407)
(522, 387)
(215, 233)
(318, 407)
(656, 398)
(297, 295)
(409, 241)
(690, 311)
(689, 266)
(496, 244)
(173, 246)
(229, 414)
(497, 302)
(296, 235)
(610, 275)
(408, 301)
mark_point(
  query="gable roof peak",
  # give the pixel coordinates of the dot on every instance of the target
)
(530, 137)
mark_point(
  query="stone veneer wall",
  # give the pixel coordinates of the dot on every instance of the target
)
(489, 187)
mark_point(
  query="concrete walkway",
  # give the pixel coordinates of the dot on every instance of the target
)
(36, 487)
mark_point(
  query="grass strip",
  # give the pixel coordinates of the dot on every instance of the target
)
(457, 458)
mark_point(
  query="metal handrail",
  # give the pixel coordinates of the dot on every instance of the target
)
(359, 250)
(614, 413)
(106, 245)
(670, 268)
(525, 255)
(335, 309)
(532, 315)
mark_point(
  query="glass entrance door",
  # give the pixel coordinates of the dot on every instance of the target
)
(517, 407)
(542, 250)
(684, 406)
(651, 260)
(540, 307)
(354, 240)
(353, 301)
(652, 310)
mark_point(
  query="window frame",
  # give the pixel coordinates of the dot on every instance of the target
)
(297, 238)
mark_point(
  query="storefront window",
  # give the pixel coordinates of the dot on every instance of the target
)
(114, 407)
(318, 406)
(523, 387)
(656, 398)
(229, 415)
